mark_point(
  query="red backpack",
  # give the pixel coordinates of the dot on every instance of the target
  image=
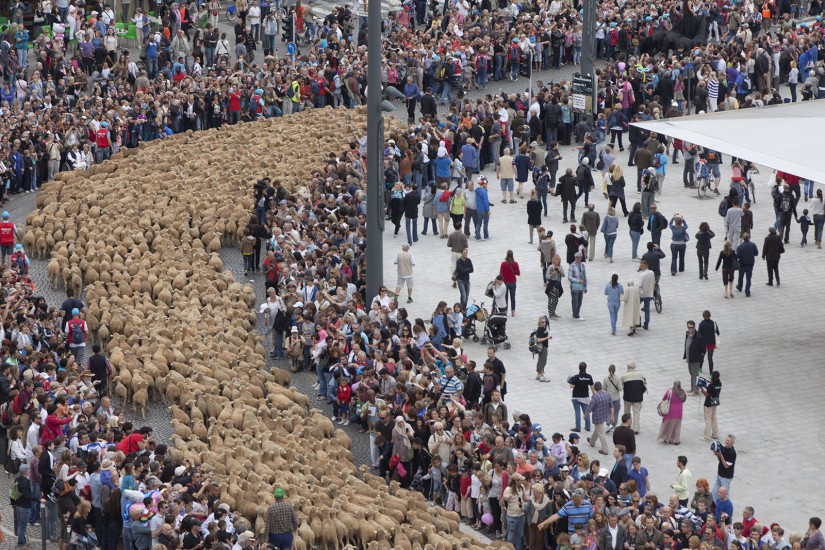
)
(17, 404)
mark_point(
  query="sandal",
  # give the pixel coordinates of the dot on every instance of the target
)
(512, 201)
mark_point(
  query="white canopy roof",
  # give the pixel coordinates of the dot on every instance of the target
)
(785, 137)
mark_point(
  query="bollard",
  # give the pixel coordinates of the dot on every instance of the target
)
(43, 525)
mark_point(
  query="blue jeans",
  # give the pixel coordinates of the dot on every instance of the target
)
(210, 56)
(608, 244)
(51, 519)
(499, 62)
(321, 372)
(613, 309)
(281, 541)
(542, 195)
(580, 409)
(412, 229)
(445, 92)
(634, 238)
(435, 227)
(576, 298)
(514, 67)
(677, 253)
(628, 461)
(515, 531)
(721, 482)
(35, 508)
(510, 296)
(745, 271)
(646, 308)
(152, 67)
(22, 524)
(481, 79)
(482, 218)
(464, 291)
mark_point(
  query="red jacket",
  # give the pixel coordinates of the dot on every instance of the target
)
(344, 393)
(509, 271)
(53, 428)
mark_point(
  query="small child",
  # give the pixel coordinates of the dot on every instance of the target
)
(483, 505)
(577, 538)
(453, 486)
(248, 251)
(340, 407)
(475, 491)
(563, 541)
(436, 477)
(455, 320)
(804, 223)
(466, 483)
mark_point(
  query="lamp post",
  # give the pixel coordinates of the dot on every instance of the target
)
(588, 59)
(375, 162)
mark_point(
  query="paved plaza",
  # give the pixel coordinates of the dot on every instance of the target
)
(770, 357)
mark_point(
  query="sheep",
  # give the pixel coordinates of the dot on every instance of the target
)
(148, 250)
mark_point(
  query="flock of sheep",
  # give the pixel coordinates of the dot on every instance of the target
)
(141, 234)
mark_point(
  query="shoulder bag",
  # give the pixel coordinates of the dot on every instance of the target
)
(663, 408)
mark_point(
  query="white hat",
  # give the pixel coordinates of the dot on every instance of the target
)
(179, 471)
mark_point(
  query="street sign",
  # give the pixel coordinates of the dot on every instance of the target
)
(291, 48)
(582, 92)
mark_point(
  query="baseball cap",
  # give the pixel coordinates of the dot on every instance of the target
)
(279, 493)
(75, 311)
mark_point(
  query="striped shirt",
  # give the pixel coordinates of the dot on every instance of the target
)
(576, 515)
(713, 88)
(450, 385)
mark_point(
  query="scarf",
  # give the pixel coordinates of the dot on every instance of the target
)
(538, 507)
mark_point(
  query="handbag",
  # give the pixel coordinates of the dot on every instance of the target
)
(663, 408)
(718, 336)
(735, 263)
(12, 465)
(713, 402)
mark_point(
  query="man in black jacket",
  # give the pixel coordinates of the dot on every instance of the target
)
(552, 119)
(747, 253)
(656, 223)
(22, 504)
(412, 198)
(429, 108)
(585, 180)
(636, 137)
(566, 189)
(694, 354)
(463, 268)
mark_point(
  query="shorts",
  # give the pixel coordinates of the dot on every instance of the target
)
(507, 184)
(714, 169)
(7, 249)
(404, 281)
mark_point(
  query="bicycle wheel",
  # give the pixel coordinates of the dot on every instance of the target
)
(231, 15)
(281, 13)
(702, 187)
(657, 301)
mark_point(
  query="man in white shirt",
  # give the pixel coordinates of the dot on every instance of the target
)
(33, 435)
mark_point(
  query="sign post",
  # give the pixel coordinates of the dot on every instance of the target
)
(292, 49)
(583, 93)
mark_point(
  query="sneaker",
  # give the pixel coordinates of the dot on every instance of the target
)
(346, 422)
(333, 418)
(543, 379)
(409, 300)
(578, 318)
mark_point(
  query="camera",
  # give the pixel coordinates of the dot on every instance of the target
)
(716, 447)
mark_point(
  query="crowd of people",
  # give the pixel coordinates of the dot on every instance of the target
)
(437, 421)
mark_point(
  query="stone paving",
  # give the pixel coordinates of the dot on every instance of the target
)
(770, 357)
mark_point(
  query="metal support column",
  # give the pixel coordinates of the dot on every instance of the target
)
(375, 162)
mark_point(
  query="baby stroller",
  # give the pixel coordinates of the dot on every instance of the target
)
(495, 330)
(475, 312)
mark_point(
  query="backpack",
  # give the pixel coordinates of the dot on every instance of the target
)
(657, 160)
(746, 84)
(723, 207)
(14, 491)
(440, 71)
(19, 261)
(785, 204)
(17, 404)
(290, 91)
(6, 416)
(76, 333)
(315, 88)
(533, 344)
(711, 156)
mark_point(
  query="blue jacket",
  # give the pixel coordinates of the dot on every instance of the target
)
(679, 231)
(152, 49)
(442, 166)
(614, 295)
(747, 253)
(470, 158)
(482, 200)
(575, 273)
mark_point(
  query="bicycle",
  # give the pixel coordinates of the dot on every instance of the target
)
(310, 33)
(657, 298)
(231, 11)
(701, 178)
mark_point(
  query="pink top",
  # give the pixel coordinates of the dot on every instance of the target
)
(675, 412)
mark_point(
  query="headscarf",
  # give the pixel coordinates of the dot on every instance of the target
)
(678, 391)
